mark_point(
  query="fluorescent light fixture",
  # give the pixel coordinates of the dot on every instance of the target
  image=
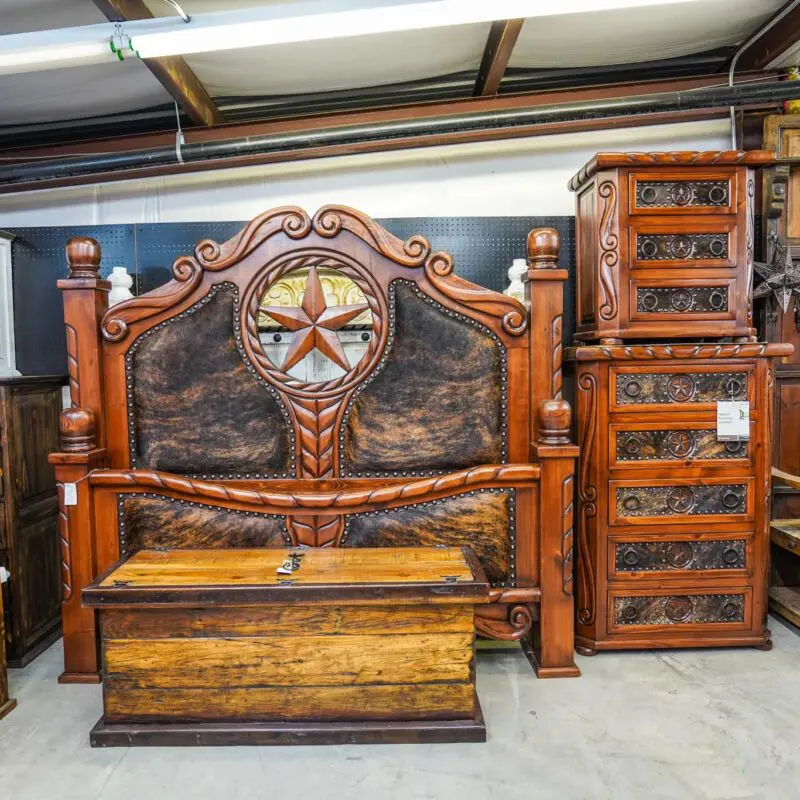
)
(278, 24)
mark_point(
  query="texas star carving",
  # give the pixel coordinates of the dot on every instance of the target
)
(315, 324)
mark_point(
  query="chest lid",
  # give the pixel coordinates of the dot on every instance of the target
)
(323, 576)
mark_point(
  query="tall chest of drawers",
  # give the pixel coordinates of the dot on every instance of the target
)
(673, 524)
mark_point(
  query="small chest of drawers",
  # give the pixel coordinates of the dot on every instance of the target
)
(665, 244)
(672, 523)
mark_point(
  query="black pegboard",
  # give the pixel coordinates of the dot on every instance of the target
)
(482, 248)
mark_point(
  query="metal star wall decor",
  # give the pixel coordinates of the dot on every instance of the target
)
(315, 324)
(781, 276)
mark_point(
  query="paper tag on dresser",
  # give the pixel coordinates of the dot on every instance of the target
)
(70, 494)
(733, 421)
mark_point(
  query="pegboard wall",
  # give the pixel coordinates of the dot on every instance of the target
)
(482, 247)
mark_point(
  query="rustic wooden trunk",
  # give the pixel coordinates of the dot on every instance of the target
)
(355, 646)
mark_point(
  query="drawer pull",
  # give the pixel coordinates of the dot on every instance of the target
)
(733, 386)
(717, 300)
(630, 613)
(630, 558)
(632, 503)
(717, 195)
(633, 388)
(632, 446)
(680, 499)
(731, 609)
(730, 500)
(734, 448)
(731, 556)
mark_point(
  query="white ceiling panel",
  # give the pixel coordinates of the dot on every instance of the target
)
(23, 16)
(161, 9)
(346, 63)
(57, 94)
(638, 34)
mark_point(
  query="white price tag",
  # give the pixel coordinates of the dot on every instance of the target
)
(4, 574)
(70, 494)
(733, 421)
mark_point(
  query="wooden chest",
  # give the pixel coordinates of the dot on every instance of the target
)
(217, 647)
(664, 245)
(673, 539)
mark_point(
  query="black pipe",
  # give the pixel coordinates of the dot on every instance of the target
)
(716, 97)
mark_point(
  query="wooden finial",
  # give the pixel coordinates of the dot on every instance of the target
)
(555, 417)
(83, 257)
(543, 247)
(76, 429)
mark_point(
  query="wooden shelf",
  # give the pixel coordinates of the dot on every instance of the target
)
(785, 601)
(785, 533)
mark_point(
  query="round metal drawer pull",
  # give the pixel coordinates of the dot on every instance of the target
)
(630, 558)
(730, 556)
(733, 386)
(734, 447)
(717, 195)
(730, 609)
(632, 503)
(629, 613)
(633, 388)
(717, 300)
(649, 301)
(648, 248)
(717, 247)
(649, 194)
(632, 446)
(730, 500)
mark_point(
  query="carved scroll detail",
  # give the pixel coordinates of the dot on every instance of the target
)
(315, 500)
(187, 276)
(609, 241)
(439, 270)
(567, 535)
(72, 367)
(291, 220)
(331, 219)
(588, 496)
(515, 627)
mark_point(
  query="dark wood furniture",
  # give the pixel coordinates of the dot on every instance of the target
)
(673, 532)
(784, 590)
(29, 546)
(665, 245)
(450, 430)
(355, 646)
(6, 703)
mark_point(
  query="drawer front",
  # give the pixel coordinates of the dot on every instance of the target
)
(729, 607)
(711, 301)
(656, 503)
(636, 446)
(686, 244)
(687, 193)
(675, 555)
(676, 388)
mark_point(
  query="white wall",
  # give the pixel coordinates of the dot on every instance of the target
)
(521, 177)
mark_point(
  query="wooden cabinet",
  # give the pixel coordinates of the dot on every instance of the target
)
(375, 645)
(673, 525)
(6, 703)
(29, 543)
(665, 245)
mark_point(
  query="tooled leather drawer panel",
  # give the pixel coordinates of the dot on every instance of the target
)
(675, 445)
(669, 556)
(681, 609)
(682, 246)
(651, 194)
(681, 500)
(642, 388)
(682, 299)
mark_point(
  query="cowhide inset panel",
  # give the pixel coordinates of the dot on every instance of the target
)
(483, 520)
(146, 521)
(436, 404)
(196, 408)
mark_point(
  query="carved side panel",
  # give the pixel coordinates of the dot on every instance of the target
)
(652, 556)
(587, 493)
(567, 559)
(680, 387)
(679, 609)
(668, 501)
(609, 250)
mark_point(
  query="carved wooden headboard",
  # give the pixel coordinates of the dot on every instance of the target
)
(192, 427)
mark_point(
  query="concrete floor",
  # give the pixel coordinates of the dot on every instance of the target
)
(677, 724)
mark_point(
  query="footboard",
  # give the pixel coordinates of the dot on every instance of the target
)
(318, 382)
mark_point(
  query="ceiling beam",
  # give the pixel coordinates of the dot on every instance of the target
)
(773, 43)
(172, 72)
(499, 46)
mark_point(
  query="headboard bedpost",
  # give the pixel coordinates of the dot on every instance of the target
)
(544, 296)
(85, 302)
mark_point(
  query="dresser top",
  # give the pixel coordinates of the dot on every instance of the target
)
(677, 158)
(429, 575)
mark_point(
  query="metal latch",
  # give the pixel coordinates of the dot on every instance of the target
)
(450, 578)
(291, 563)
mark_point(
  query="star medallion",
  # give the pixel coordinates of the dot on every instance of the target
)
(315, 324)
